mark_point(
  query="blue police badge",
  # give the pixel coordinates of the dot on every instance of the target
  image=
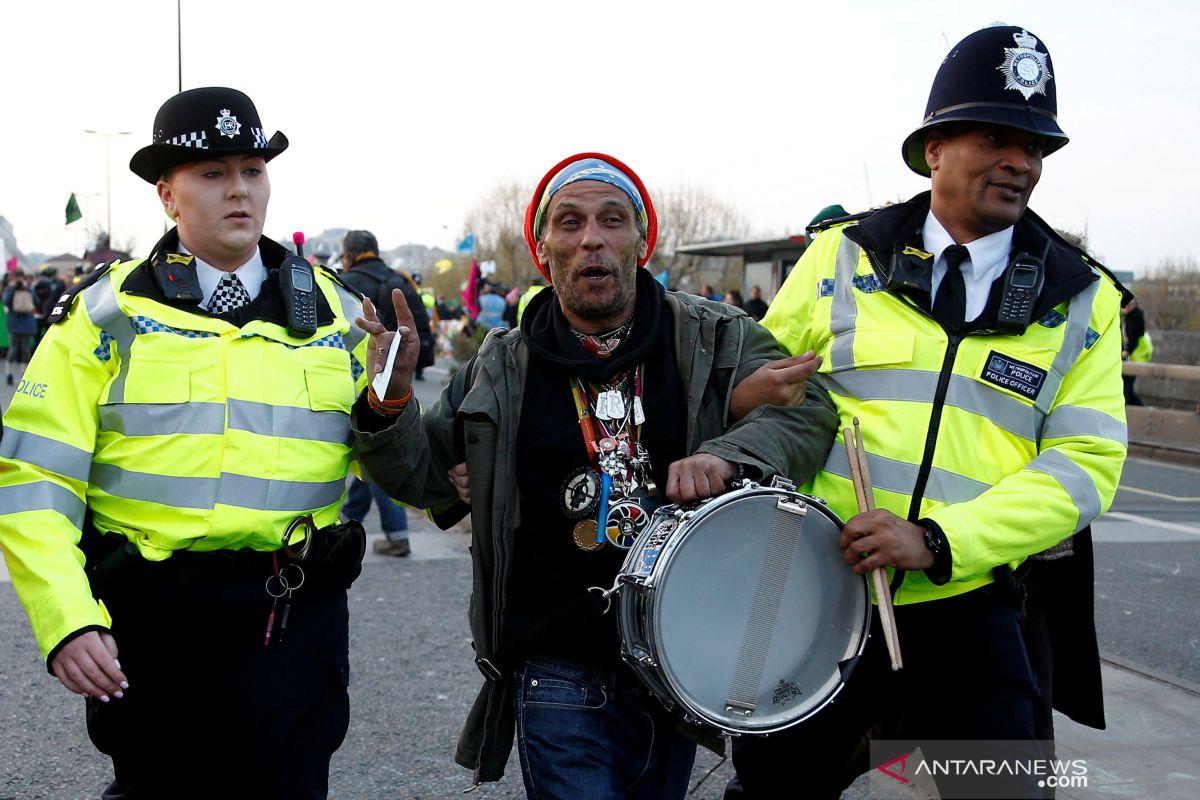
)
(228, 125)
(1025, 68)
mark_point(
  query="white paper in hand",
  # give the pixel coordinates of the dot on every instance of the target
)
(380, 382)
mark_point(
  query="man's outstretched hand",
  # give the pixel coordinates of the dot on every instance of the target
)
(381, 339)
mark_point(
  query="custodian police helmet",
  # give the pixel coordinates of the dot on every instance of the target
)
(1001, 75)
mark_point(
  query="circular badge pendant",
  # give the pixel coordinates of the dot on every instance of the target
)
(581, 493)
(626, 520)
(585, 535)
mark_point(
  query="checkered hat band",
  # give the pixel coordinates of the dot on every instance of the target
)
(198, 140)
(260, 138)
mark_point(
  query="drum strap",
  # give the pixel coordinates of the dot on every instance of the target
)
(764, 613)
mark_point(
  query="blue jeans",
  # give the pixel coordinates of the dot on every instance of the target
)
(392, 517)
(589, 736)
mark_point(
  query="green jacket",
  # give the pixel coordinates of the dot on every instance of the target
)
(476, 420)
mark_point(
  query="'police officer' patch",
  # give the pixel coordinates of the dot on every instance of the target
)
(1016, 376)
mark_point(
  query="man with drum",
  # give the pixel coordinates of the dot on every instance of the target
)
(981, 353)
(610, 396)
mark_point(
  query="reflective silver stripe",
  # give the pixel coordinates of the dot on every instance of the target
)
(164, 489)
(288, 421)
(1001, 410)
(1075, 480)
(919, 386)
(42, 496)
(101, 303)
(270, 495)
(351, 309)
(260, 494)
(952, 488)
(843, 312)
(49, 454)
(162, 419)
(1079, 315)
(901, 477)
(1065, 421)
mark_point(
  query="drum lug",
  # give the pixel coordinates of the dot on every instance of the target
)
(791, 506)
(640, 656)
(780, 482)
(736, 707)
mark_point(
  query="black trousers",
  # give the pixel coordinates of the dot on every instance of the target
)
(966, 675)
(210, 711)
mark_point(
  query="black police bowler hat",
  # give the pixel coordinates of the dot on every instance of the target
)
(211, 122)
(1001, 75)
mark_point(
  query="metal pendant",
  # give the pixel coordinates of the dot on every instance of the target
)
(581, 493)
(585, 535)
(626, 520)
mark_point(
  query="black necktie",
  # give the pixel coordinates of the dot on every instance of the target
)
(950, 305)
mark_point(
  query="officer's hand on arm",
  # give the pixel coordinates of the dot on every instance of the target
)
(777, 383)
(88, 665)
(462, 482)
(890, 540)
(381, 340)
(697, 477)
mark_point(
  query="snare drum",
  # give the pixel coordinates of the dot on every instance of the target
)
(739, 611)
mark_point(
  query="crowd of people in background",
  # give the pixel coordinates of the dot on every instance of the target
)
(27, 303)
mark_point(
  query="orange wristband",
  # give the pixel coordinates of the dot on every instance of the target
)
(388, 408)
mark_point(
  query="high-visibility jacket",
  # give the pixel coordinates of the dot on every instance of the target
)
(530, 293)
(1144, 349)
(1007, 443)
(172, 428)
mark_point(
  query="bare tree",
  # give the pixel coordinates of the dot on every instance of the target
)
(689, 214)
(1169, 293)
(497, 222)
(686, 215)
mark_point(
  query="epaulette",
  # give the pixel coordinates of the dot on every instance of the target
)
(1126, 295)
(826, 224)
(63, 306)
(339, 280)
(1092, 261)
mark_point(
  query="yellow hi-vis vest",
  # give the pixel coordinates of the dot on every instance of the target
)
(1144, 349)
(530, 293)
(1024, 435)
(176, 430)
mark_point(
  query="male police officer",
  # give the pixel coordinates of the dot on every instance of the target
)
(192, 409)
(982, 354)
(606, 372)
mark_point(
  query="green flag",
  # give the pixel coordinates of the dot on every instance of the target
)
(73, 210)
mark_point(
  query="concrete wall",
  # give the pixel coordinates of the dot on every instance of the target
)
(1172, 347)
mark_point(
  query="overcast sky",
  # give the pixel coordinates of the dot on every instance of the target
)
(402, 116)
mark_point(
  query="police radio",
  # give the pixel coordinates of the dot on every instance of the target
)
(1022, 284)
(298, 286)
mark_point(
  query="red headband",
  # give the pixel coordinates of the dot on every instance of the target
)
(531, 211)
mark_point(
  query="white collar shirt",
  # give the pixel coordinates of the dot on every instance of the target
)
(989, 257)
(251, 274)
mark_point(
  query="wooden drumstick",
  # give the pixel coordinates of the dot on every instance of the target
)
(860, 474)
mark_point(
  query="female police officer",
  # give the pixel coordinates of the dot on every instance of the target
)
(188, 410)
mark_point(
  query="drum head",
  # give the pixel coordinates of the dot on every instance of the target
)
(711, 588)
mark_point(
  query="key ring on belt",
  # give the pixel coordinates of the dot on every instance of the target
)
(306, 523)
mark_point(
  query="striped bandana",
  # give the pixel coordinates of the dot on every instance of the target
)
(591, 169)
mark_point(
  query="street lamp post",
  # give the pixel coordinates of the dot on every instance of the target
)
(108, 173)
